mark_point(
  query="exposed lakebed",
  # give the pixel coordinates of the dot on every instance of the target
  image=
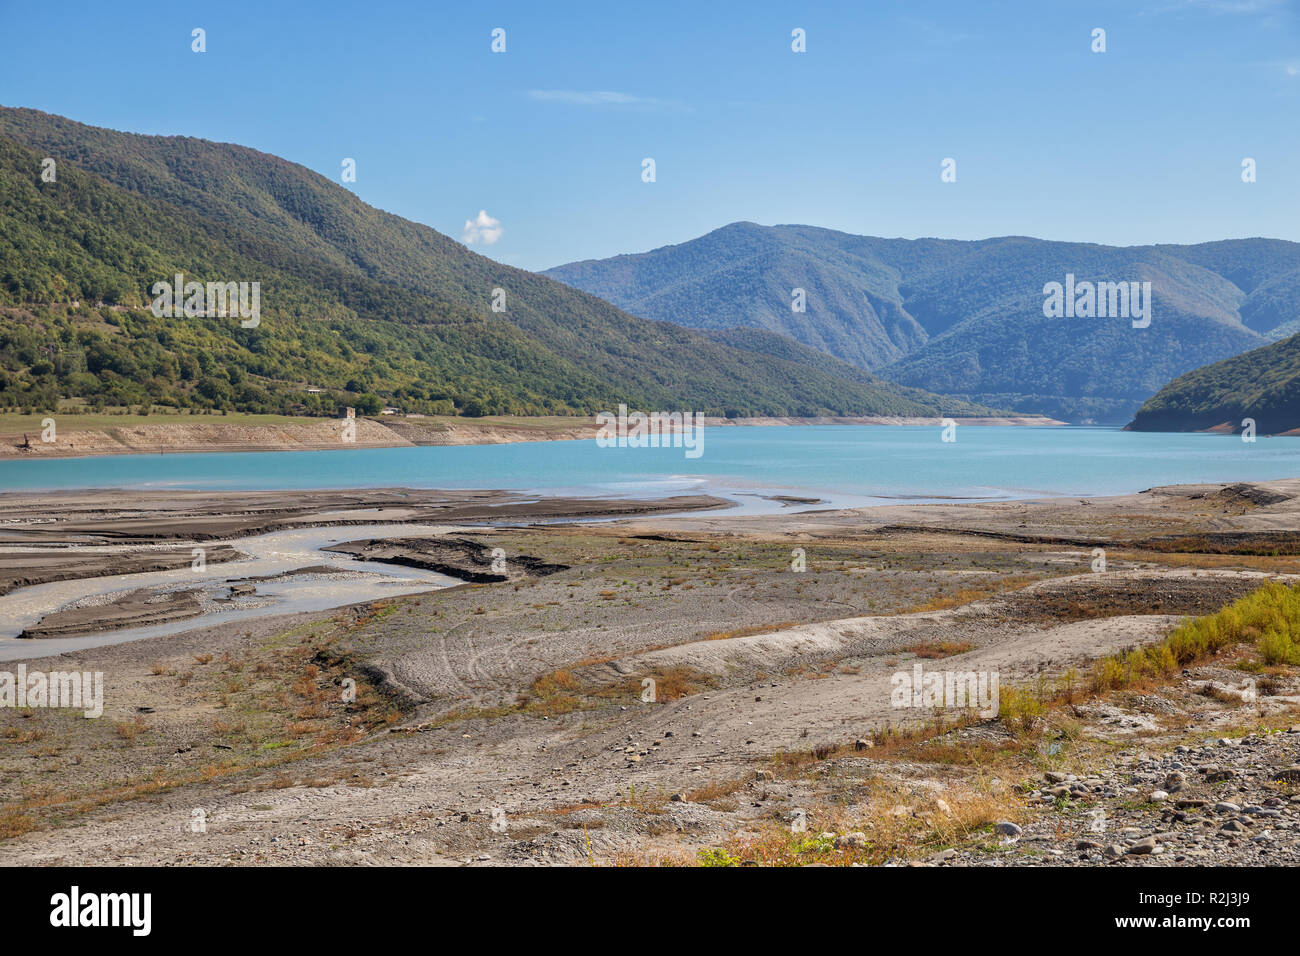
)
(295, 574)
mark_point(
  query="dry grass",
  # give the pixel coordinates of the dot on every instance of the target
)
(672, 683)
(128, 731)
(13, 823)
(714, 791)
(935, 650)
(964, 596)
(896, 824)
(550, 695)
(752, 629)
(1266, 618)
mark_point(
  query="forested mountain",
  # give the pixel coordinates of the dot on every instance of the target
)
(358, 305)
(1262, 385)
(967, 318)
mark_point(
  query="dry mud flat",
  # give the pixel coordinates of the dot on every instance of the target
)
(60, 536)
(150, 517)
(134, 609)
(79, 535)
(505, 722)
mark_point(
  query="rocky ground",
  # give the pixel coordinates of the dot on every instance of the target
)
(1228, 801)
(508, 722)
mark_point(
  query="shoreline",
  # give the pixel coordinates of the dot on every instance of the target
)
(138, 436)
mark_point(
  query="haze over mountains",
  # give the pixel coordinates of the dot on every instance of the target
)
(966, 318)
(359, 304)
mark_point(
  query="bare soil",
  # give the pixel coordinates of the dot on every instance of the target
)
(506, 722)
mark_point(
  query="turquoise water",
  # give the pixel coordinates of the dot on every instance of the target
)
(846, 464)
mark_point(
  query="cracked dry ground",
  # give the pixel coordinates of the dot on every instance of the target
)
(503, 723)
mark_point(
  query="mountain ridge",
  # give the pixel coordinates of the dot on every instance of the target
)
(964, 317)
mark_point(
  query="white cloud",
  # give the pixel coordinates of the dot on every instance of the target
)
(482, 228)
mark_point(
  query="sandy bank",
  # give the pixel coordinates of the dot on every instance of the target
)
(140, 437)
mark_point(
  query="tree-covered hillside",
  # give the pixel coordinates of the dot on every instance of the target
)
(1263, 385)
(359, 307)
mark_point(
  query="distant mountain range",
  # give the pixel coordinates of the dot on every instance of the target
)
(966, 319)
(1262, 385)
(358, 306)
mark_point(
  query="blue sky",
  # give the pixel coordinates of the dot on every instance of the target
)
(1142, 143)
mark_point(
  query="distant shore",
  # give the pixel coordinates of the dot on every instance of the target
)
(82, 437)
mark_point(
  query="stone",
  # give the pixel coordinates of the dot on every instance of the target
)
(1007, 828)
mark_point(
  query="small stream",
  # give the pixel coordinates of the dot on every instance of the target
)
(267, 554)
